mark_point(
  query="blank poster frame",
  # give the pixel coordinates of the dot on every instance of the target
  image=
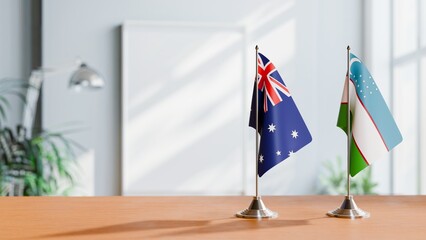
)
(125, 84)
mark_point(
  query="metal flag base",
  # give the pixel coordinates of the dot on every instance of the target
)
(257, 209)
(349, 209)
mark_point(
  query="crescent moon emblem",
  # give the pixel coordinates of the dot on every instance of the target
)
(353, 60)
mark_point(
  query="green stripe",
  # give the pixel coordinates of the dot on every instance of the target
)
(357, 161)
(342, 121)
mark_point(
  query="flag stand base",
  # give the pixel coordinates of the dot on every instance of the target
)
(257, 209)
(349, 209)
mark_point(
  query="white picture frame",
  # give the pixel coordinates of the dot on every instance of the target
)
(184, 115)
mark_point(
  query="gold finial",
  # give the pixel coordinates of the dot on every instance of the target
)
(257, 47)
(349, 48)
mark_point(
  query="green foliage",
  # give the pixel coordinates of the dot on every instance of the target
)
(33, 166)
(333, 181)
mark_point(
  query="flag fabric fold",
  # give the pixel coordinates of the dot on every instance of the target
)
(281, 126)
(374, 131)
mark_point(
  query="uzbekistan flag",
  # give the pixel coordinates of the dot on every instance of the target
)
(374, 131)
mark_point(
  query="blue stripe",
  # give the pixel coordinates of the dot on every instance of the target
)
(369, 94)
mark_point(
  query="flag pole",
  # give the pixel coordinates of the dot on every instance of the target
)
(348, 209)
(349, 128)
(257, 124)
(257, 208)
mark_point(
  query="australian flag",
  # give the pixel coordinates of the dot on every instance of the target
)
(281, 127)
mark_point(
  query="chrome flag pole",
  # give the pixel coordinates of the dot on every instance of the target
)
(257, 208)
(348, 209)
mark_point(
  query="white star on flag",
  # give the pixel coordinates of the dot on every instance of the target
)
(290, 153)
(272, 127)
(261, 159)
(278, 153)
(294, 134)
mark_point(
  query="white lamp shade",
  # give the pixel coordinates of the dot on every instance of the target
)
(86, 77)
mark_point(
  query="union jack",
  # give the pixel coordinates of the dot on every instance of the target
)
(269, 84)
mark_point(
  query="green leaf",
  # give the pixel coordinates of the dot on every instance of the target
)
(48, 162)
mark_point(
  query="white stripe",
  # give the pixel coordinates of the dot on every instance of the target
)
(364, 131)
(279, 87)
(344, 94)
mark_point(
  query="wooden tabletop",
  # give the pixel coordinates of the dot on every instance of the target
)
(300, 217)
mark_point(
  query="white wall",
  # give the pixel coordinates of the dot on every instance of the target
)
(15, 48)
(395, 61)
(306, 39)
(378, 55)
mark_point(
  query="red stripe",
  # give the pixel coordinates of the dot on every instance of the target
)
(284, 88)
(273, 95)
(264, 72)
(359, 150)
(265, 103)
(362, 104)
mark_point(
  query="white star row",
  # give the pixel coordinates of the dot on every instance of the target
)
(272, 128)
(262, 158)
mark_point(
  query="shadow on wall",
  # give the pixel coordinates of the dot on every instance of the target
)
(186, 123)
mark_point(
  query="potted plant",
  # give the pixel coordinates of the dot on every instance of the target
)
(32, 166)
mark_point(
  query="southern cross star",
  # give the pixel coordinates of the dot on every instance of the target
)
(272, 127)
(294, 134)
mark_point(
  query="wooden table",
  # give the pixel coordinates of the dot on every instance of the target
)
(300, 217)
